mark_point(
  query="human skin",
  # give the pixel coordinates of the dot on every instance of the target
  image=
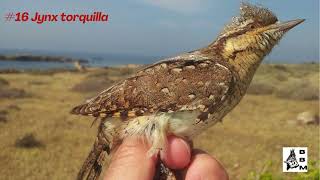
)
(130, 161)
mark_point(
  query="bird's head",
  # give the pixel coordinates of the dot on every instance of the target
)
(257, 30)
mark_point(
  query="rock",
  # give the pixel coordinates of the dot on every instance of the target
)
(79, 66)
(307, 117)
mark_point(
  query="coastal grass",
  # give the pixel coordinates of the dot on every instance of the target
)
(41, 140)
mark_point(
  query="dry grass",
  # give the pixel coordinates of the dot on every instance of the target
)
(249, 137)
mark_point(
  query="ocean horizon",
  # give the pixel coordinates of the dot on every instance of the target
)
(98, 59)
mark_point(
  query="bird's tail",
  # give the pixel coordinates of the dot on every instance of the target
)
(165, 173)
(92, 167)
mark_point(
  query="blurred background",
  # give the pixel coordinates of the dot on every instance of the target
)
(46, 69)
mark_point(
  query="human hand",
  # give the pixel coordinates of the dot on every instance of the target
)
(130, 161)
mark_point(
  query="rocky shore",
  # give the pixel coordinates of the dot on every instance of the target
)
(39, 58)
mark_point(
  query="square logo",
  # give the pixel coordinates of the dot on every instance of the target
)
(295, 159)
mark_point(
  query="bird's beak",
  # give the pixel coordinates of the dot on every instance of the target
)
(286, 26)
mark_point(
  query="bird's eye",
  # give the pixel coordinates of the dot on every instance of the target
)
(252, 26)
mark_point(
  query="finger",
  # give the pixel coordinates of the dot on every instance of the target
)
(130, 161)
(204, 166)
(177, 153)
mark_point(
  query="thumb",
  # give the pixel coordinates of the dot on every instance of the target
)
(130, 161)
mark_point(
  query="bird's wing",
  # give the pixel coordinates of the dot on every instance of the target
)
(185, 82)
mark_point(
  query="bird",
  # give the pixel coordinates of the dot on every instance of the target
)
(186, 94)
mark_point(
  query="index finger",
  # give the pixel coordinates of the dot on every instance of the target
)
(130, 161)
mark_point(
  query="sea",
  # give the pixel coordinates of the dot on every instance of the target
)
(94, 59)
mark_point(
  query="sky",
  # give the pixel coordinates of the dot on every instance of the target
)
(152, 27)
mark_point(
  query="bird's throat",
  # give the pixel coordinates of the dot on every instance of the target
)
(245, 53)
(246, 64)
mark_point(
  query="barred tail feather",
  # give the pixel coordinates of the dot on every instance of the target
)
(92, 167)
(81, 109)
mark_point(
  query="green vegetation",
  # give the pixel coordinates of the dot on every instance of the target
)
(41, 140)
(312, 174)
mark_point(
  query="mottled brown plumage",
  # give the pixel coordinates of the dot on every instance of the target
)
(177, 85)
(185, 94)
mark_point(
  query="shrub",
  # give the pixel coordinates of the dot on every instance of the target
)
(28, 141)
(281, 76)
(35, 82)
(3, 116)
(13, 93)
(280, 67)
(258, 88)
(92, 85)
(13, 107)
(299, 90)
(3, 82)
